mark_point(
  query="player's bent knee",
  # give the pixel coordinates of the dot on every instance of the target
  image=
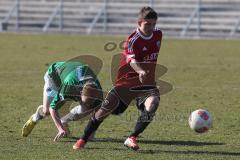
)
(88, 102)
(78, 109)
(152, 104)
(101, 114)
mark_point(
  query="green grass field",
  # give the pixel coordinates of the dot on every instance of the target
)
(204, 74)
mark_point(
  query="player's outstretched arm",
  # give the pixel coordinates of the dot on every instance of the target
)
(58, 124)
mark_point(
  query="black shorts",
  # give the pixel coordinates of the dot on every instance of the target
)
(125, 97)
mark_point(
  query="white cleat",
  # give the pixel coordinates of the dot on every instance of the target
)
(131, 142)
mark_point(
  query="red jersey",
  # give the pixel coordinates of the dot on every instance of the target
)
(145, 51)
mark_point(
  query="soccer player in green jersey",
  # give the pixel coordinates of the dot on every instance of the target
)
(66, 81)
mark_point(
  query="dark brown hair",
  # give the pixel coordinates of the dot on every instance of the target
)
(147, 13)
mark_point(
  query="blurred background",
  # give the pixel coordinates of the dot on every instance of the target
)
(177, 18)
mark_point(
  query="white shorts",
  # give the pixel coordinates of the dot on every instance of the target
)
(49, 89)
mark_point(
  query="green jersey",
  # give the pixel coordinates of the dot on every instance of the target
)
(69, 78)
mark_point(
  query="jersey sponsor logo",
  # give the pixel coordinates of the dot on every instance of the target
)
(150, 57)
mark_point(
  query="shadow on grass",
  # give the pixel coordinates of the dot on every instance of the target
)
(178, 143)
(114, 140)
(221, 153)
(159, 151)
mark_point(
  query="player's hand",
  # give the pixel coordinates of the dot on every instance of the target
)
(142, 76)
(61, 134)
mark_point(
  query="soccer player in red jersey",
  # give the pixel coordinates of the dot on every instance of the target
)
(135, 80)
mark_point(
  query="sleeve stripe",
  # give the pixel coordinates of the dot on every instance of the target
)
(131, 42)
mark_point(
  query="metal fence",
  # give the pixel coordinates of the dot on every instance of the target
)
(58, 12)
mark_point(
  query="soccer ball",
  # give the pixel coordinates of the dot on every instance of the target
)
(200, 121)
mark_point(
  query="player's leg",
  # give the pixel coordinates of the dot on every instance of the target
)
(90, 95)
(147, 113)
(91, 98)
(43, 110)
(147, 105)
(77, 113)
(108, 105)
(49, 91)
